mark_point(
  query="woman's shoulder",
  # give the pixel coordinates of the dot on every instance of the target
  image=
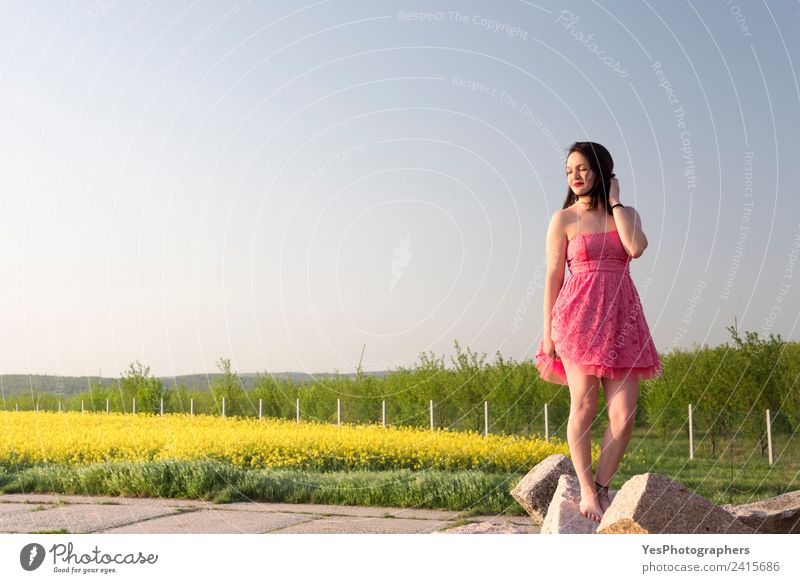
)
(559, 224)
(565, 217)
(560, 218)
(563, 214)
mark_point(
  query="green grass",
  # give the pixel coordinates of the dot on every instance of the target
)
(736, 473)
(224, 483)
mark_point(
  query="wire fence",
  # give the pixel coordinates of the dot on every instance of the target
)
(692, 431)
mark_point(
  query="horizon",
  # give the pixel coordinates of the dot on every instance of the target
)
(351, 373)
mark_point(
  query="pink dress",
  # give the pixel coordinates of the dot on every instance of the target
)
(597, 318)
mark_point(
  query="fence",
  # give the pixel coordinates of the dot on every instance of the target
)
(669, 428)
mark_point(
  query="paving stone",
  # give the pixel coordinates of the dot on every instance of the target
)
(493, 526)
(16, 507)
(34, 498)
(357, 525)
(112, 514)
(341, 510)
(80, 518)
(513, 519)
(213, 521)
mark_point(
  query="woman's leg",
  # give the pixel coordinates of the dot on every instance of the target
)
(621, 397)
(583, 406)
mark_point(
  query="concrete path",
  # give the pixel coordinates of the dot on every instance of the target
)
(61, 513)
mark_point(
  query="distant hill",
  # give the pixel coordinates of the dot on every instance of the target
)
(13, 384)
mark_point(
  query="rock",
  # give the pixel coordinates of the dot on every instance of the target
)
(777, 515)
(535, 491)
(564, 513)
(654, 503)
(486, 527)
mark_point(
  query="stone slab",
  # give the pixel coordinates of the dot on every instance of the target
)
(80, 518)
(513, 519)
(342, 510)
(489, 527)
(117, 514)
(213, 522)
(358, 525)
(15, 507)
(34, 498)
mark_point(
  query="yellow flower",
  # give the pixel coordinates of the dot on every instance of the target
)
(77, 438)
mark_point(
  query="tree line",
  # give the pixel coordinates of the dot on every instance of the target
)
(729, 387)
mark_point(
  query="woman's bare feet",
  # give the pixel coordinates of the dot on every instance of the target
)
(589, 506)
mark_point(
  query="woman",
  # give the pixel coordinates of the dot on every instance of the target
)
(594, 327)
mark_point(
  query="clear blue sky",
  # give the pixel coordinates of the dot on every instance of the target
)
(281, 183)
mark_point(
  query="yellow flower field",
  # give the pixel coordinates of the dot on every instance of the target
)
(29, 437)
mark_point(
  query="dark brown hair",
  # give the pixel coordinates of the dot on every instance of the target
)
(602, 164)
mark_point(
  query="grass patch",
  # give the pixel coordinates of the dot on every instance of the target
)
(223, 483)
(734, 473)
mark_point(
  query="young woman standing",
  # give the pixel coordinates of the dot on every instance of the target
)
(594, 327)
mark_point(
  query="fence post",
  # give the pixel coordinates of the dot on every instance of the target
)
(260, 407)
(223, 406)
(108, 407)
(339, 413)
(769, 438)
(383, 412)
(691, 434)
(298, 411)
(82, 408)
(17, 407)
(485, 418)
(134, 405)
(59, 406)
(191, 407)
(546, 424)
(162, 407)
(431, 414)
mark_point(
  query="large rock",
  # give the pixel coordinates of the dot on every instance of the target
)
(535, 491)
(777, 515)
(564, 513)
(654, 503)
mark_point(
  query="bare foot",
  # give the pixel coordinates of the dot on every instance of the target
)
(590, 507)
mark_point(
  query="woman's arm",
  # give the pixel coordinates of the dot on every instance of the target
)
(628, 221)
(556, 253)
(629, 226)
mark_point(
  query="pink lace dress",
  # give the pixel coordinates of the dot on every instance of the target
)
(597, 320)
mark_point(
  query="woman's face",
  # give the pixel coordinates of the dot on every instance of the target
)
(579, 174)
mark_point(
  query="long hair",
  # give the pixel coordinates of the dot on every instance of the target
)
(602, 164)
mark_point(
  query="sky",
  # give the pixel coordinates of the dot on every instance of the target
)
(288, 184)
